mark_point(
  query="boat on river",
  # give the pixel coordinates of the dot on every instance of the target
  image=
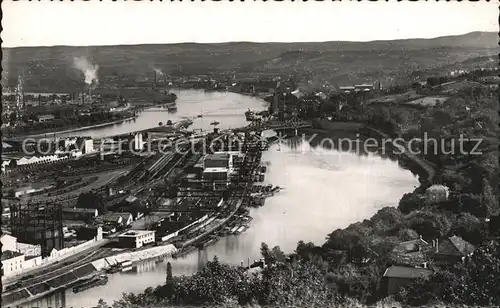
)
(91, 282)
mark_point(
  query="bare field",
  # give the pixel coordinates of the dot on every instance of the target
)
(428, 101)
(396, 98)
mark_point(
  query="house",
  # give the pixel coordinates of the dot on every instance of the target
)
(364, 87)
(346, 89)
(117, 219)
(12, 263)
(79, 214)
(437, 193)
(411, 253)
(45, 118)
(451, 250)
(492, 81)
(399, 276)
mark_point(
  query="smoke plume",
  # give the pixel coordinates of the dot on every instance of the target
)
(88, 69)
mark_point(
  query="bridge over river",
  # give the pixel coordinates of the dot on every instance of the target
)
(293, 123)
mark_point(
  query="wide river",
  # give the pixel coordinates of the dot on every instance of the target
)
(325, 189)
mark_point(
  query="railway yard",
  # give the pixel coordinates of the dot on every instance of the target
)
(189, 198)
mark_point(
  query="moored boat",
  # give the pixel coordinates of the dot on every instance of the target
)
(92, 282)
(114, 269)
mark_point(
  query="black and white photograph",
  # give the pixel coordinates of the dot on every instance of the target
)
(250, 154)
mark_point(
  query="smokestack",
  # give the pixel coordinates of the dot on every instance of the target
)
(437, 245)
(155, 81)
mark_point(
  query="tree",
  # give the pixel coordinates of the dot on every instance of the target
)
(468, 227)
(271, 256)
(304, 251)
(169, 282)
(410, 202)
(473, 204)
(12, 117)
(429, 224)
(102, 304)
(386, 220)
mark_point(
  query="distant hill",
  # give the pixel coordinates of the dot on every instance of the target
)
(51, 68)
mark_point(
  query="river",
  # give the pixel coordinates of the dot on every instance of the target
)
(325, 189)
(224, 107)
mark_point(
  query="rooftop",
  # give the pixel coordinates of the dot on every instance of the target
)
(218, 156)
(26, 246)
(135, 233)
(455, 246)
(110, 216)
(78, 210)
(131, 199)
(9, 254)
(410, 246)
(406, 272)
(215, 170)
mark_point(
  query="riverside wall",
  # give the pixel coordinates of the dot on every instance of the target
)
(136, 256)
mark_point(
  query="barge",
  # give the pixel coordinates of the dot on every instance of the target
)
(89, 283)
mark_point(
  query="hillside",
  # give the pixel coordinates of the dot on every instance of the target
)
(51, 68)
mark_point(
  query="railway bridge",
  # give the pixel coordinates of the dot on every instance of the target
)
(291, 124)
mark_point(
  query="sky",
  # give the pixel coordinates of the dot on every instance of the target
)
(113, 23)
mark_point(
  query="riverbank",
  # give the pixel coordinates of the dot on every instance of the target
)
(76, 129)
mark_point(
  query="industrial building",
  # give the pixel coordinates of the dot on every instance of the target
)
(136, 238)
(79, 214)
(38, 225)
(218, 160)
(217, 168)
